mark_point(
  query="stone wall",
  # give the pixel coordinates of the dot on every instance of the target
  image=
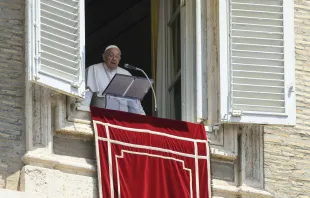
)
(287, 149)
(12, 86)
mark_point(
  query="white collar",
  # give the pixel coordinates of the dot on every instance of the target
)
(108, 69)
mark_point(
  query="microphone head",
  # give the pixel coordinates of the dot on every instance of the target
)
(130, 67)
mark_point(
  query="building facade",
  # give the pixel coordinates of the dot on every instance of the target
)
(46, 143)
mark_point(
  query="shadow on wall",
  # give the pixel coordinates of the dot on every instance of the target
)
(11, 153)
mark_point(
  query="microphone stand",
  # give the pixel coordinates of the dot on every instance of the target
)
(154, 95)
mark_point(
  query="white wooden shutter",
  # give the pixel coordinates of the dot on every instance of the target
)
(57, 45)
(257, 61)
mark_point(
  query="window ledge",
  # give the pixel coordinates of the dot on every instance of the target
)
(44, 159)
(76, 128)
(19, 194)
(83, 108)
(242, 190)
(219, 153)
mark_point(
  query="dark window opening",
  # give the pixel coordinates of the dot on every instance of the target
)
(126, 24)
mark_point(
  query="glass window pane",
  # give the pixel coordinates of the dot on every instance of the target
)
(175, 60)
(175, 4)
(177, 100)
(176, 47)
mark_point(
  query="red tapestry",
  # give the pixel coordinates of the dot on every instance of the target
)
(146, 157)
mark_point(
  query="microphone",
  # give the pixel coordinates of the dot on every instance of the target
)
(130, 67)
(141, 70)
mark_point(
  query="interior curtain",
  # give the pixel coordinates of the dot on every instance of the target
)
(161, 61)
(155, 5)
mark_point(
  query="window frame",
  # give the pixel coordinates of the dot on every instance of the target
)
(175, 19)
(187, 71)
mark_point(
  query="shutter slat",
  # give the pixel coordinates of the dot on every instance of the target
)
(258, 54)
(58, 65)
(255, 65)
(257, 68)
(59, 18)
(266, 28)
(65, 4)
(256, 4)
(253, 24)
(263, 2)
(257, 38)
(257, 21)
(266, 60)
(258, 81)
(259, 108)
(59, 26)
(257, 34)
(60, 59)
(257, 7)
(258, 18)
(262, 96)
(258, 88)
(57, 45)
(252, 74)
(60, 39)
(260, 99)
(256, 11)
(259, 45)
(253, 40)
(59, 32)
(253, 87)
(253, 47)
(60, 6)
(258, 14)
(261, 32)
(67, 77)
(70, 75)
(263, 106)
(59, 52)
(58, 11)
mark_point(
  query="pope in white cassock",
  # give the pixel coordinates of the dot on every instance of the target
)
(98, 77)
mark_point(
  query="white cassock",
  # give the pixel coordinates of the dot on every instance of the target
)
(98, 77)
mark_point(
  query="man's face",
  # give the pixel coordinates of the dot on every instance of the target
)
(112, 57)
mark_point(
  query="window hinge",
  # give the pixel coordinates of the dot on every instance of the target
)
(291, 88)
(236, 113)
(75, 84)
(37, 57)
(36, 77)
(213, 128)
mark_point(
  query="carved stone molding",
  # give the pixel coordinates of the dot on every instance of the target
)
(38, 118)
(251, 157)
(71, 122)
(224, 142)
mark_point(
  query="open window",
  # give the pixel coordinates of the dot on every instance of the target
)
(255, 79)
(175, 68)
